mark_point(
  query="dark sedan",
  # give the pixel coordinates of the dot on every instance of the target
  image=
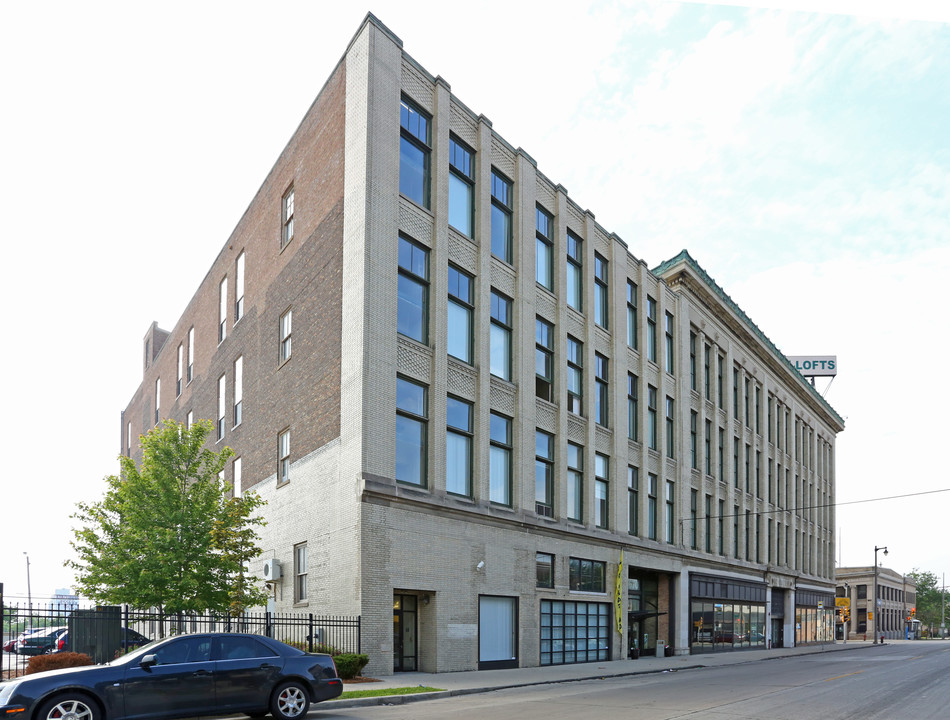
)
(204, 674)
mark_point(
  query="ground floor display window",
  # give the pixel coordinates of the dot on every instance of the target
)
(497, 632)
(814, 625)
(574, 632)
(726, 614)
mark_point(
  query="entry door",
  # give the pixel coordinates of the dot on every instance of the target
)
(497, 632)
(404, 633)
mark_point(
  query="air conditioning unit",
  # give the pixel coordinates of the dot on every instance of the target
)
(272, 570)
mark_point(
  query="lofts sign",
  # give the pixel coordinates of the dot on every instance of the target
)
(815, 365)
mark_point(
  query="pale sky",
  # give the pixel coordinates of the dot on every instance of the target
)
(802, 158)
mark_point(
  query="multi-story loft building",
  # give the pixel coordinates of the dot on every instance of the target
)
(478, 420)
(896, 602)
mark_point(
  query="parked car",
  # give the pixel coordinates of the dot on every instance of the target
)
(211, 673)
(131, 638)
(40, 643)
(11, 645)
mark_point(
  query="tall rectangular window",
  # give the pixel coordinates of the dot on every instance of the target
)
(223, 310)
(239, 288)
(693, 513)
(237, 489)
(158, 399)
(284, 333)
(633, 407)
(693, 440)
(651, 329)
(544, 577)
(544, 473)
(189, 419)
(460, 309)
(735, 461)
(300, 573)
(632, 314)
(722, 527)
(499, 460)
(575, 375)
(601, 491)
(238, 390)
(600, 291)
(500, 216)
(461, 188)
(651, 506)
(544, 359)
(692, 361)
(411, 432)
(707, 452)
(669, 428)
(669, 343)
(414, 151)
(721, 454)
(735, 393)
(191, 353)
(735, 531)
(652, 433)
(600, 382)
(575, 482)
(287, 217)
(633, 500)
(500, 360)
(670, 522)
(719, 380)
(708, 509)
(748, 411)
(575, 264)
(544, 249)
(748, 471)
(283, 457)
(222, 388)
(707, 371)
(180, 370)
(412, 306)
(458, 447)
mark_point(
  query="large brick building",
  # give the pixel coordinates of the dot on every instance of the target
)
(478, 420)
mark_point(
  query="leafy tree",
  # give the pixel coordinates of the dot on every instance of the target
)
(168, 534)
(930, 598)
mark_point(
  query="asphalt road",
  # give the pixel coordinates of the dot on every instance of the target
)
(905, 681)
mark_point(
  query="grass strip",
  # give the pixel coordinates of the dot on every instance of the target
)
(378, 692)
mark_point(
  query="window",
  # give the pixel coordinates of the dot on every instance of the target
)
(669, 511)
(236, 486)
(544, 473)
(239, 288)
(735, 531)
(189, 421)
(722, 455)
(500, 336)
(722, 527)
(287, 217)
(222, 386)
(586, 627)
(669, 343)
(633, 500)
(651, 506)
(412, 310)
(693, 509)
(748, 412)
(692, 361)
(461, 188)
(651, 329)
(544, 359)
(300, 573)
(707, 371)
(238, 390)
(652, 442)
(191, 353)
(631, 314)
(719, 366)
(600, 290)
(545, 570)
(735, 393)
(575, 284)
(285, 326)
(708, 509)
(601, 491)
(600, 382)
(499, 460)
(575, 482)
(460, 307)
(158, 399)
(588, 575)
(411, 420)
(223, 310)
(458, 447)
(693, 441)
(500, 217)
(179, 373)
(283, 457)
(575, 375)
(544, 249)
(633, 406)
(414, 151)
(708, 447)
(735, 461)
(669, 427)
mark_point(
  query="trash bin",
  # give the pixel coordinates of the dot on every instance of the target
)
(669, 651)
(661, 648)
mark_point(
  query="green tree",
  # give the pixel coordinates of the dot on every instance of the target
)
(930, 598)
(169, 534)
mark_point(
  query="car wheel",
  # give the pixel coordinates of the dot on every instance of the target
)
(290, 701)
(69, 707)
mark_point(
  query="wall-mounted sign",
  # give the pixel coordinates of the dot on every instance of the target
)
(815, 365)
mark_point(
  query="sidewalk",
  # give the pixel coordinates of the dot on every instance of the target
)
(476, 681)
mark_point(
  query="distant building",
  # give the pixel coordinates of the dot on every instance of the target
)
(65, 598)
(897, 600)
(480, 422)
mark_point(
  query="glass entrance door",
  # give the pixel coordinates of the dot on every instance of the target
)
(404, 633)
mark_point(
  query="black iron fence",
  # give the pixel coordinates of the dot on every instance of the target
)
(52, 622)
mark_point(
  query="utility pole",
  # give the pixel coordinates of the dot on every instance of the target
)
(874, 603)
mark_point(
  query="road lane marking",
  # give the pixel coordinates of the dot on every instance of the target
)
(838, 677)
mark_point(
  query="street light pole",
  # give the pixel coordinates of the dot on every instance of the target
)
(874, 602)
(29, 592)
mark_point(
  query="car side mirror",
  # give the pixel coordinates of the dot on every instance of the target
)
(148, 661)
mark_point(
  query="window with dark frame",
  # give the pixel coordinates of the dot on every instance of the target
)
(461, 187)
(575, 375)
(460, 312)
(544, 563)
(499, 459)
(223, 310)
(501, 217)
(632, 314)
(500, 336)
(652, 431)
(575, 264)
(633, 407)
(285, 329)
(633, 500)
(544, 249)
(283, 457)
(287, 217)
(300, 572)
(222, 385)
(238, 411)
(651, 329)
(412, 309)
(544, 473)
(411, 431)
(588, 575)
(239, 287)
(415, 150)
(600, 291)
(458, 447)
(600, 383)
(575, 482)
(544, 359)
(601, 491)
(669, 344)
